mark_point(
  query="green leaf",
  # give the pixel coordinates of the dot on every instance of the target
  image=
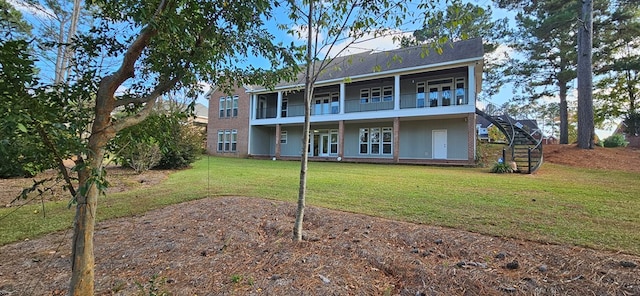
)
(22, 128)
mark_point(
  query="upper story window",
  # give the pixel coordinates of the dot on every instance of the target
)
(228, 107)
(387, 93)
(285, 108)
(461, 98)
(326, 104)
(441, 92)
(364, 96)
(376, 94)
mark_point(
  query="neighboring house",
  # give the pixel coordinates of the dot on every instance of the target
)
(400, 106)
(529, 125)
(482, 128)
(228, 127)
(633, 139)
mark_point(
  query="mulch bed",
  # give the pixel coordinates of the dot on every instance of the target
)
(243, 246)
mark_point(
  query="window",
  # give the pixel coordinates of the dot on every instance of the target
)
(364, 141)
(234, 140)
(285, 106)
(461, 99)
(326, 104)
(333, 141)
(220, 140)
(440, 92)
(228, 107)
(283, 137)
(222, 106)
(335, 103)
(376, 141)
(387, 93)
(420, 96)
(433, 97)
(364, 96)
(235, 106)
(446, 95)
(227, 140)
(387, 139)
(376, 95)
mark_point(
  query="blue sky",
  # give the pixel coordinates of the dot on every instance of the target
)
(378, 44)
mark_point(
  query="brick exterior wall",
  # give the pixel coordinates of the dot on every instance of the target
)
(239, 123)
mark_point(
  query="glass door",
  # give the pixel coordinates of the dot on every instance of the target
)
(324, 145)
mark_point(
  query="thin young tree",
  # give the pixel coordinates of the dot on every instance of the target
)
(330, 29)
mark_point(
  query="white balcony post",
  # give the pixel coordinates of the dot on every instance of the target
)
(254, 109)
(396, 92)
(342, 95)
(279, 108)
(472, 85)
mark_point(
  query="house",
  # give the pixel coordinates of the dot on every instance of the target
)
(400, 106)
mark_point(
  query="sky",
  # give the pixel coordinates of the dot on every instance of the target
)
(367, 44)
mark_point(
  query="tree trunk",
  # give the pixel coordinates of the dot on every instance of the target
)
(302, 190)
(308, 91)
(82, 257)
(585, 79)
(82, 264)
(564, 114)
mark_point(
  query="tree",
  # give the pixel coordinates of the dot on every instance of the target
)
(586, 133)
(11, 22)
(617, 63)
(546, 38)
(460, 21)
(159, 46)
(326, 25)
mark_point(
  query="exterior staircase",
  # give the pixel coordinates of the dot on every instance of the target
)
(523, 149)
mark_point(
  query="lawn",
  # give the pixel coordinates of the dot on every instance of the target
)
(560, 204)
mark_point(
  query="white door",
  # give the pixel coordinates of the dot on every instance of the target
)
(439, 144)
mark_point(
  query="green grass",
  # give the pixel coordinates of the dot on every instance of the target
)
(593, 208)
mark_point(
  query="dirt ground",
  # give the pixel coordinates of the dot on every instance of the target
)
(242, 246)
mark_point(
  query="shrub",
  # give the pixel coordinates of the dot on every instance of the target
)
(501, 168)
(178, 142)
(143, 156)
(615, 140)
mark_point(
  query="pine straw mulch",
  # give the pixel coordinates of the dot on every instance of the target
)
(242, 246)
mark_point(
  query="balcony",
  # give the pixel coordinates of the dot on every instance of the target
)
(433, 99)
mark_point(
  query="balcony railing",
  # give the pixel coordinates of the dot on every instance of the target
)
(434, 99)
(407, 101)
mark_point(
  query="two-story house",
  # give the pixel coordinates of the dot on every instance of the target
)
(399, 106)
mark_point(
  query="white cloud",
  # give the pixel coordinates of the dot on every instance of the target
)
(35, 10)
(301, 33)
(367, 42)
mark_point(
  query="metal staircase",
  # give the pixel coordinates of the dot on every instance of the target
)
(524, 149)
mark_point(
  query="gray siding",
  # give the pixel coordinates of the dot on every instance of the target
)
(416, 138)
(262, 141)
(293, 147)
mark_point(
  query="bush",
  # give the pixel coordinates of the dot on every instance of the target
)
(142, 156)
(179, 143)
(615, 140)
(501, 168)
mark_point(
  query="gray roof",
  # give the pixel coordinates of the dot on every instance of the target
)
(373, 63)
